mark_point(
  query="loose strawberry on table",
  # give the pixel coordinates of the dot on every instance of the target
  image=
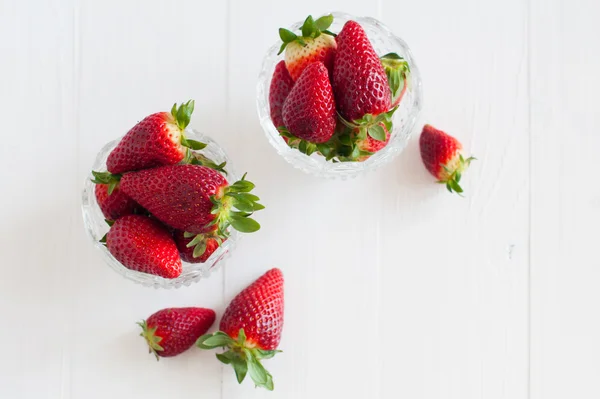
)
(142, 244)
(251, 329)
(316, 44)
(442, 157)
(158, 139)
(192, 198)
(172, 331)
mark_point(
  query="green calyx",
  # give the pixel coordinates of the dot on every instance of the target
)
(182, 115)
(371, 124)
(236, 196)
(106, 178)
(243, 357)
(311, 29)
(200, 241)
(195, 158)
(397, 71)
(153, 340)
(454, 175)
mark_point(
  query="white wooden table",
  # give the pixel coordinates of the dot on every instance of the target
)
(395, 289)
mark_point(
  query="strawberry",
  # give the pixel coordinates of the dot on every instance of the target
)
(172, 331)
(115, 204)
(204, 244)
(143, 244)
(251, 328)
(157, 140)
(360, 85)
(316, 44)
(442, 157)
(309, 110)
(281, 85)
(192, 198)
(397, 72)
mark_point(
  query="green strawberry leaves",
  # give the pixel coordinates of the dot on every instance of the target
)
(153, 340)
(106, 178)
(183, 113)
(244, 359)
(310, 29)
(195, 158)
(397, 71)
(236, 196)
(454, 176)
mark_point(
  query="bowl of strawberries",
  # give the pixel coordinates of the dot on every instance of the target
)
(164, 205)
(339, 95)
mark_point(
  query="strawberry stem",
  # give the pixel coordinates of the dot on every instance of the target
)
(397, 71)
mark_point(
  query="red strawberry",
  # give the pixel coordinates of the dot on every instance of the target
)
(397, 71)
(309, 110)
(192, 198)
(143, 244)
(281, 85)
(204, 244)
(172, 331)
(367, 145)
(359, 80)
(441, 154)
(157, 140)
(115, 204)
(251, 329)
(316, 44)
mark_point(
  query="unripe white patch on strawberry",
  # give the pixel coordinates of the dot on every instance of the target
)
(452, 165)
(174, 133)
(298, 57)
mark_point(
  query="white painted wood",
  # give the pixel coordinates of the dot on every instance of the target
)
(394, 288)
(565, 206)
(454, 271)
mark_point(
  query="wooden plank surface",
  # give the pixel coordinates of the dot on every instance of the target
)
(565, 208)
(394, 288)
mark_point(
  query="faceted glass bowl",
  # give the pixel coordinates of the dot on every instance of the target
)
(96, 227)
(405, 118)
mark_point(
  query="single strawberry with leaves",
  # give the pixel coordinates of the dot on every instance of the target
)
(397, 71)
(281, 85)
(315, 44)
(112, 202)
(358, 146)
(156, 140)
(143, 244)
(309, 110)
(172, 331)
(442, 157)
(251, 329)
(197, 248)
(360, 84)
(194, 199)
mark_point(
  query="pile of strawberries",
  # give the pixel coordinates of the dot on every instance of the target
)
(165, 201)
(333, 94)
(250, 329)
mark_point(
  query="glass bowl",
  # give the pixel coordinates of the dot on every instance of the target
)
(96, 227)
(405, 118)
